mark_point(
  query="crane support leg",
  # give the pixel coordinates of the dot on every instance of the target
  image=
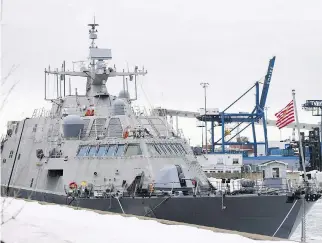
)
(212, 137)
(223, 132)
(265, 135)
(255, 140)
(257, 97)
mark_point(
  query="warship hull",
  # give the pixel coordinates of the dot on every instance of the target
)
(105, 144)
(265, 215)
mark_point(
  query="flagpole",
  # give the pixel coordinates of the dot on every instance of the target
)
(299, 135)
(303, 235)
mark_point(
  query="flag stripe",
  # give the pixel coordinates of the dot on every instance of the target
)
(289, 104)
(285, 116)
(281, 125)
(289, 108)
(284, 125)
(288, 114)
(286, 107)
(286, 121)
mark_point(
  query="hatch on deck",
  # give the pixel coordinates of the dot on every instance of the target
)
(55, 173)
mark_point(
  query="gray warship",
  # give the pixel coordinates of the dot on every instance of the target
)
(97, 151)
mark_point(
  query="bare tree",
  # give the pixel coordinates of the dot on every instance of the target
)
(12, 69)
(2, 105)
(5, 197)
(3, 81)
(6, 96)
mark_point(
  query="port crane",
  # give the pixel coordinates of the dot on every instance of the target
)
(257, 114)
(255, 117)
(316, 107)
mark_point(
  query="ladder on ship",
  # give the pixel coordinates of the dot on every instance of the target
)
(53, 135)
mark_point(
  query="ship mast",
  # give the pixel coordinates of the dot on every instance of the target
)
(93, 36)
(98, 73)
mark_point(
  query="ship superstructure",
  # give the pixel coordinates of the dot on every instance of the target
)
(97, 151)
(98, 138)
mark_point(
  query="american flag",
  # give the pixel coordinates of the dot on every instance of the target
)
(285, 116)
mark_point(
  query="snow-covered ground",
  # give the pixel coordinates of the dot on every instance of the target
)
(26, 222)
(314, 225)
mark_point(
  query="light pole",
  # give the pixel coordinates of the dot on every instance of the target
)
(201, 138)
(204, 86)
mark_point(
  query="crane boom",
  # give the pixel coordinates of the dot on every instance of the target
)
(267, 82)
(191, 114)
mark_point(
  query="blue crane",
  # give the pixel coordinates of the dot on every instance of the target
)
(251, 118)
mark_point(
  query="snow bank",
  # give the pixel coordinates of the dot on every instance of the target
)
(55, 223)
(313, 222)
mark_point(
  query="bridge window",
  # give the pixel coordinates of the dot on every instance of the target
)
(158, 149)
(133, 149)
(168, 149)
(181, 148)
(83, 151)
(111, 150)
(163, 149)
(154, 150)
(92, 151)
(101, 150)
(120, 150)
(173, 146)
(173, 150)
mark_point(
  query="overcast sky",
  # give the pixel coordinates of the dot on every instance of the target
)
(181, 43)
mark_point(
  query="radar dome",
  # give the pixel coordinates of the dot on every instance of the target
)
(119, 107)
(124, 94)
(72, 125)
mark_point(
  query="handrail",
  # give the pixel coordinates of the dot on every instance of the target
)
(224, 188)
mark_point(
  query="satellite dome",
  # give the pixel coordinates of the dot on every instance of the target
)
(72, 126)
(124, 94)
(119, 107)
